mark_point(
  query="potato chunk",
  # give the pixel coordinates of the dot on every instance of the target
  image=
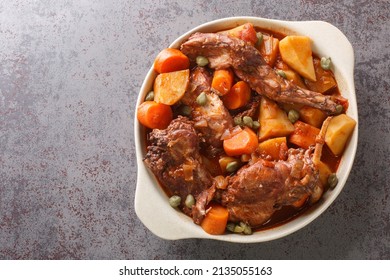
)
(325, 80)
(224, 161)
(273, 121)
(291, 75)
(275, 148)
(312, 116)
(245, 32)
(296, 52)
(170, 87)
(339, 130)
(295, 78)
(324, 171)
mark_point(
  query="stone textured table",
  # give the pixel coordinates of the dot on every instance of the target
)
(70, 72)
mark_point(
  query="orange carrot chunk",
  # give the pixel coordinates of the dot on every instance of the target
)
(222, 81)
(269, 49)
(304, 135)
(244, 142)
(238, 96)
(170, 60)
(154, 115)
(215, 220)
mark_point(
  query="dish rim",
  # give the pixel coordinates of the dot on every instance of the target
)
(148, 188)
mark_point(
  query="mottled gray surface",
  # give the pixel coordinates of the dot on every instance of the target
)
(70, 72)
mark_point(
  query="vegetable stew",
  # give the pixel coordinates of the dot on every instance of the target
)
(245, 128)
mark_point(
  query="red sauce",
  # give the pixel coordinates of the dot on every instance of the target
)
(282, 216)
(330, 159)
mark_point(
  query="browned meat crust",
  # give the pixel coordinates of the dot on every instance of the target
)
(215, 117)
(260, 189)
(257, 190)
(173, 156)
(224, 51)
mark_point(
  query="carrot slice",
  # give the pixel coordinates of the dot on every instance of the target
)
(215, 220)
(269, 49)
(222, 81)
(154, 115)
(304, 135)
(244, 142)
(170, 60)
(238, 96)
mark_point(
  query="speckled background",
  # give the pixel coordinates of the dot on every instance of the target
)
(70, 72)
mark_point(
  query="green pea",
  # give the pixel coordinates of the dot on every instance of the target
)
(238, 229)
(202, 99)
(259, 36)
(247, 229)
(326, 63)
(232, 166)
(282, 74)
(293, 115)
(230, 227)
(201, 61)
(149, 96)
(186, 110)
(339, 109)
(333, 180)
(256, 125)
(237, 120)
(247, 121)
(174, 201)
(190, 201)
